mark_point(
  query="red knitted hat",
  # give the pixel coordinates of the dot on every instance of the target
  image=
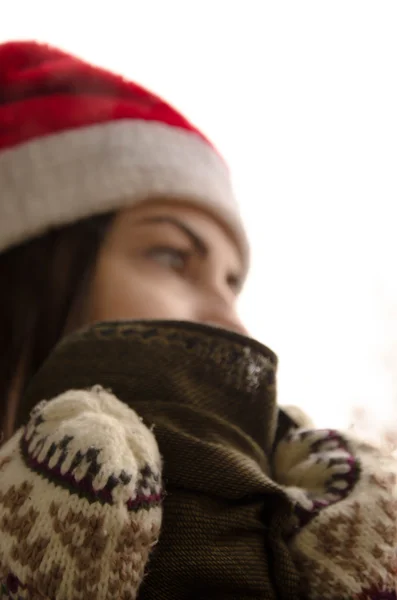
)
(76, 140)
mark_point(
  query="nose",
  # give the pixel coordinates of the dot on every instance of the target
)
(220, 313)
(229, 324)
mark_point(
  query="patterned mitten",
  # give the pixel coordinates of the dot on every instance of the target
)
(80, 495)
(345, 498)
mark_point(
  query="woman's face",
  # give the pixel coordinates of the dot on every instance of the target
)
(167, 261)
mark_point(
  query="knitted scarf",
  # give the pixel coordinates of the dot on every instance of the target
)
(251, 500)
(85, 516)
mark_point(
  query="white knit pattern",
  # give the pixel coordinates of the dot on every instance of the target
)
(60, 537)
(347, 547)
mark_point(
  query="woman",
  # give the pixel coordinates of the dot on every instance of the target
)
(79, 142)
(115, 208)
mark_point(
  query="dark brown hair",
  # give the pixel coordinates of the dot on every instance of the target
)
(40, 281)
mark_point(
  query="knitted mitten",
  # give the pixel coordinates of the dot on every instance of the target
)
(345, 497)
(79, 501)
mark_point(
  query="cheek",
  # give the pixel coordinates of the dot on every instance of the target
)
(122, 291)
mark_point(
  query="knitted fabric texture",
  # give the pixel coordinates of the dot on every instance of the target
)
(77, 140)
(80, 495)
(210, 395)
(345, 497)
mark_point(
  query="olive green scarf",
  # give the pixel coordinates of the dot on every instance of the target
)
(210, 396)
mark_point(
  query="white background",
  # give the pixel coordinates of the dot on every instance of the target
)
(301, 98)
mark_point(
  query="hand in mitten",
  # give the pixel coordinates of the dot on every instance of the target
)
(345, 498)
(80, 495)
(318, 468)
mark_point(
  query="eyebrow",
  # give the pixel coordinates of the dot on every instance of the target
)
(199, 245)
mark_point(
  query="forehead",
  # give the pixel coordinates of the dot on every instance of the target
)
(213, 233)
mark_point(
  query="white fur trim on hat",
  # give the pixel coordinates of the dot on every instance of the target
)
(66, 176)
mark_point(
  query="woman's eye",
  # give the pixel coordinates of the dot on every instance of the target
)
(172, 258)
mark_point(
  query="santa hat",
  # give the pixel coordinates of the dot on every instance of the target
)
(76, 140)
